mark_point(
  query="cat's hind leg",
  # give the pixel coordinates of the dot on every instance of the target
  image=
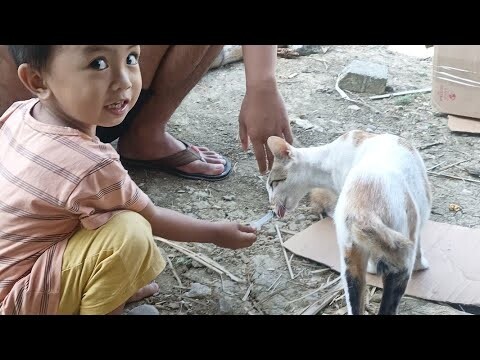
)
(421, 263)
(372, 266)
(354, 278)
(395, 283)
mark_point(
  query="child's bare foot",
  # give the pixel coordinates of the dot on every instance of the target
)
(147, 290)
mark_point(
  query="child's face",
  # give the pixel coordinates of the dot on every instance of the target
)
(94, 84)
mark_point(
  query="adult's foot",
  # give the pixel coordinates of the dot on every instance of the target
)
(166, 145)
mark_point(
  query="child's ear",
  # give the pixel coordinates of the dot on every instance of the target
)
(32, 79)
(279, 147)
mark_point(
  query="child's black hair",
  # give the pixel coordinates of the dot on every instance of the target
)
(36, 56)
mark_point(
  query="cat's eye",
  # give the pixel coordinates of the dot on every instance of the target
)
(275, 183)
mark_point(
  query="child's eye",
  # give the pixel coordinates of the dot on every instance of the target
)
(132, 59)
(99, 64)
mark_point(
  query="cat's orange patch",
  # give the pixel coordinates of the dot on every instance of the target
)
(322, 199)
(356, 261)
(278, 146)
(368, 196)
(359, 136)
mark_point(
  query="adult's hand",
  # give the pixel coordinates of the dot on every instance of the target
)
(263, 112)
(262, 115)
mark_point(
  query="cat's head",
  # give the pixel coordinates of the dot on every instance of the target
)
(285, 184)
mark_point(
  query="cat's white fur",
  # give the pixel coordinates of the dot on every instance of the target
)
(386, 161)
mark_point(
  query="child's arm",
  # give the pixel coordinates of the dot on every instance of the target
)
(176, 226)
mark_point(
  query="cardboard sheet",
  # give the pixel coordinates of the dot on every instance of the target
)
(463, 124)
(453, 253)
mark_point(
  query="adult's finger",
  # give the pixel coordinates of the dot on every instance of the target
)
(269, 157)
(287, 134)
(259, 150)
(243, 135)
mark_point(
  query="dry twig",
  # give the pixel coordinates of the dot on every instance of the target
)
(284, 252)
(202, 259)
(453, 177)
(174, 272)
(400, 93)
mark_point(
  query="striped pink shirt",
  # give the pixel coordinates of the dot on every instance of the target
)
(53, 180)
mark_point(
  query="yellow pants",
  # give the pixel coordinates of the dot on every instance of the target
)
(103, 268)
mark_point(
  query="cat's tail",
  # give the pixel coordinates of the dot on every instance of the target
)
(383, 242)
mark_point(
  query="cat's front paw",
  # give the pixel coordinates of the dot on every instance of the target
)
(422, 264)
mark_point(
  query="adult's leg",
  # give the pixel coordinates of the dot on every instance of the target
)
(169, 73)
(11, 88)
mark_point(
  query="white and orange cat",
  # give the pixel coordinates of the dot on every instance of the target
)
(376, 189)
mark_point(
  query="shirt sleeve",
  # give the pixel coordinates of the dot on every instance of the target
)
(106, 190)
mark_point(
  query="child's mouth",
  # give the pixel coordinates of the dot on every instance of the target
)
(118, 108)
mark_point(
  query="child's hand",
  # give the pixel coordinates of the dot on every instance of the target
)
(234, 236)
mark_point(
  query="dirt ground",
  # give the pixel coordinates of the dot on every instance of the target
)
(208, 116)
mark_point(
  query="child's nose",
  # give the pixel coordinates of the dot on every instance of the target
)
(122, 81)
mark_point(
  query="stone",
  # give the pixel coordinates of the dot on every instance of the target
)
(364, 77)
(144, 309)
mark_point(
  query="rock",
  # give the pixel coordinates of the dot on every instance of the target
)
(196, 264)
(304, 50)
(293, 227)
(201, 204)
(174, 306)
(271, 231)
(198, 291)
(364, 77)
(144, 310)
(262, 276)
(202, 195)
(305, 124)
(224, 307)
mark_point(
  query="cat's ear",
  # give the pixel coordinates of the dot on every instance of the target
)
(279, 147)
